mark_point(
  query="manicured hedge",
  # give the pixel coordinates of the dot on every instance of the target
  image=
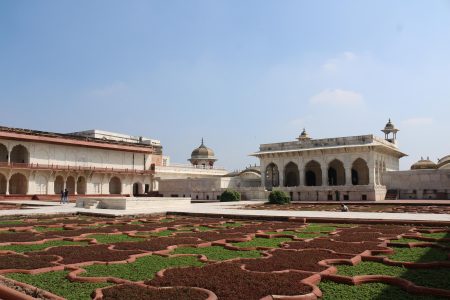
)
(230, 195)
(279, 197)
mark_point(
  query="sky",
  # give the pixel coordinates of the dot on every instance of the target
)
(237, 73)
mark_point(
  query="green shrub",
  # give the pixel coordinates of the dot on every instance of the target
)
(279, 197)
(230, 195)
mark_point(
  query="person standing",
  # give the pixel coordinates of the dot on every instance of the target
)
(66, 196)
(62, 197)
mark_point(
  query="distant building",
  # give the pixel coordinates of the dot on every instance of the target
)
(91, 162)
(342, 168)
(425, 180)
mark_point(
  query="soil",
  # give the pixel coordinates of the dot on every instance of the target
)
(358, 237)
(156, 244)
(10, 237)
(79, 254)
(16, 261)
(387, 230)
(306, 260)
(340, 247)
(266, 226)
(76, 232)
(128, 291)
(229, 282)
(210, 236)
(394, 208)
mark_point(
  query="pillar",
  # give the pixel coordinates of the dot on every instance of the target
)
(301, 175)
(7, 186)
(324, 174)
(280, 175)
(348, 174)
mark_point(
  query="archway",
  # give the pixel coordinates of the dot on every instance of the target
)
(313, 174)
(41, 185)
(70, 185)
(18, 184)
(3, 153)
(272, 176)
(3, 182)
(336, 173)
(20, 154)
(360, 172)
(115, 186)
(137, 189)
(291, 175)
(81, 185)
(59, 184)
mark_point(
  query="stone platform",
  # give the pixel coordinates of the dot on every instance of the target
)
(123, 203)
(221, 209)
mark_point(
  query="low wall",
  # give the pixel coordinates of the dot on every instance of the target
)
(122, 203)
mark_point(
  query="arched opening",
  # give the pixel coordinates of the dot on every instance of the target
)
(360, 172)
(115, 186)
(20, 154)
(137, 189)
(41, 185)
(70, 185)
(3, 153)
(18, 184)
(81, 185)
(291, 175)
(272, 176)
(313, 174)
(59, 184)
(336, 173)
(2, 184)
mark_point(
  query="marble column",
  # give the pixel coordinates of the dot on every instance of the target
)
(324, 175)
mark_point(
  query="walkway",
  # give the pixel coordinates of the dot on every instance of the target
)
(229, 209)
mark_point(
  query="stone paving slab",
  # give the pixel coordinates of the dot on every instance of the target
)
(232, 209)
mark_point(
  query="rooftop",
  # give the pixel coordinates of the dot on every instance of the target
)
(327, 143)
(78, 139)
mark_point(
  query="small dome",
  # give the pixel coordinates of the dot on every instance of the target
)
(203, 152)
(424, 164)
(444, 163)
(389, 125)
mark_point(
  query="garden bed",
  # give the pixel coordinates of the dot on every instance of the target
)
(195, 258)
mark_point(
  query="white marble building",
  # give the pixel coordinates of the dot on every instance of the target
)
(343, 168)
(247, 182)
(43, 163)
(425, 180)
(92, 162)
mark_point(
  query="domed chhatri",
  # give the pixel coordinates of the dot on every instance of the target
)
(304, 136)
(424, 164)
(388, 129)
(203, 156)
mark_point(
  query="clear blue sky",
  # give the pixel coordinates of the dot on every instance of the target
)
(238, 73)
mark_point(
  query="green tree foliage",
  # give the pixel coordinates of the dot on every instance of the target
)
(230, 195)
(279, 197)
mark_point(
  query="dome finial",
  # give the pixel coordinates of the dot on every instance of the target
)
(304, 136)
(202, 142)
